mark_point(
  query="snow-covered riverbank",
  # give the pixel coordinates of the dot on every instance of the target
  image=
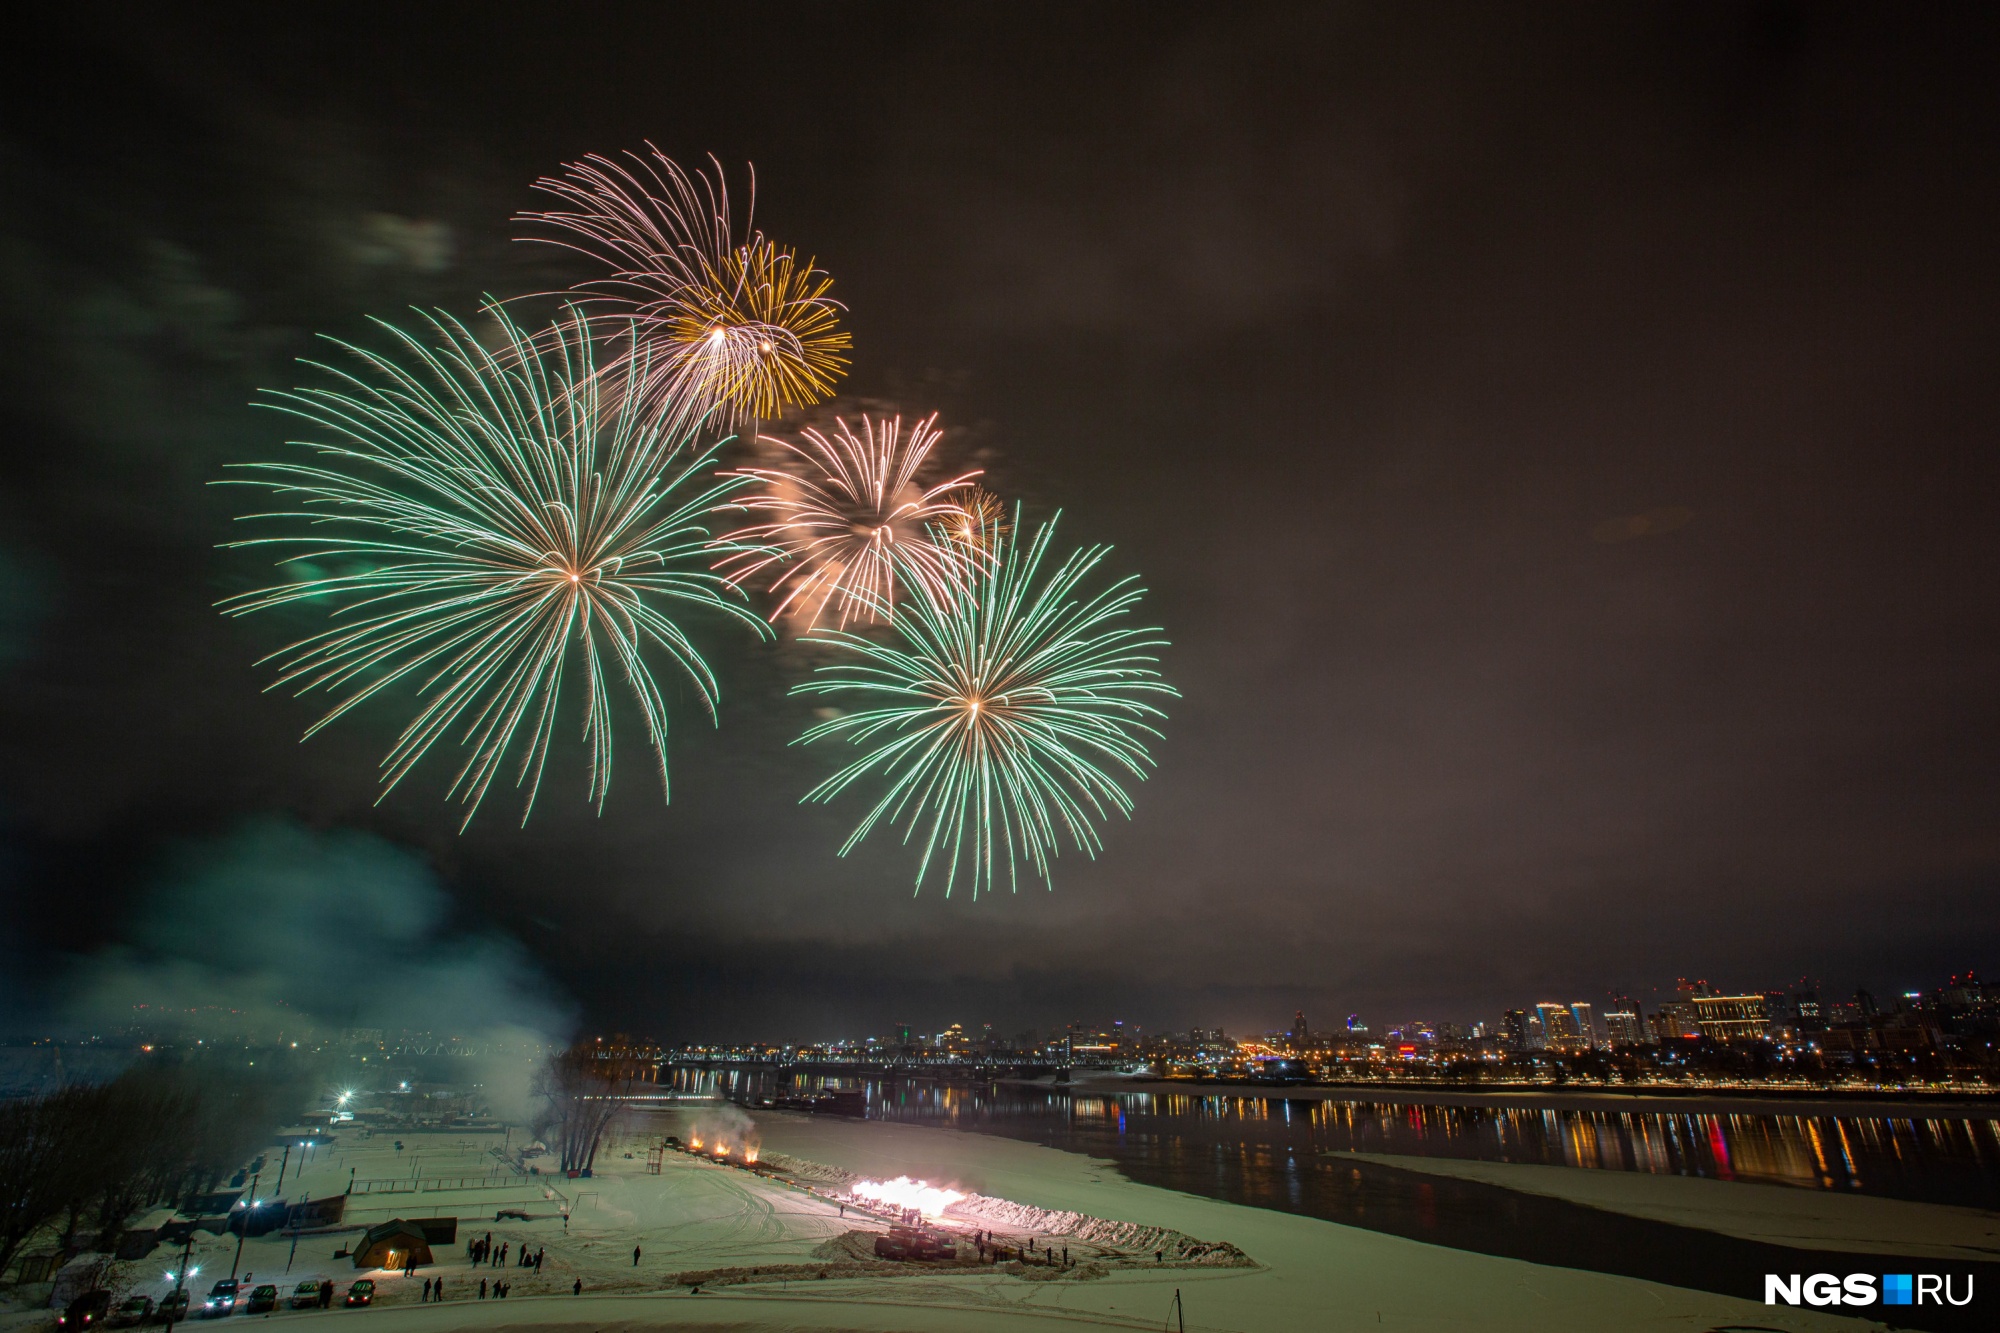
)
(1778, 1214)
(698, 1217)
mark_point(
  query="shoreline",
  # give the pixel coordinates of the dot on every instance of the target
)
(1694, 1101)
(640, 1231)
(1747, 1210)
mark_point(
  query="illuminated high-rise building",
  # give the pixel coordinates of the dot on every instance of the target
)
(1559, 1028)
(1625, 1023)
(1624, 1027)
(1732, 1017)
(1586, 1029)
(1675, 1019)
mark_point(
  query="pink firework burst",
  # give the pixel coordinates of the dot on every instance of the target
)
(848, 521)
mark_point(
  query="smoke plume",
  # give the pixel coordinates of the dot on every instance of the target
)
(726, 1124)
(280, 934)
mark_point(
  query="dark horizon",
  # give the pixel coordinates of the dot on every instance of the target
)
(1558, 443)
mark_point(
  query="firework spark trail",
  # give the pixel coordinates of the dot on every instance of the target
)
(483, 512)
(740, 324)
(1005, 717)
(850, 522)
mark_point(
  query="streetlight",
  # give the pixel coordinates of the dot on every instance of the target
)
(244, 1233)
(180, 1277)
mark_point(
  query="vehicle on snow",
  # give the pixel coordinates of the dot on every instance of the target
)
(86, 1311)
(131, 1312)
(221, 1299)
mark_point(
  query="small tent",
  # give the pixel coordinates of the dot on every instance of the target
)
(398, 1244)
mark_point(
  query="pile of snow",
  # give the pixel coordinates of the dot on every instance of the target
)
(85, 1272)
(1130, 1237)
(851, 1246)
(812, 1172)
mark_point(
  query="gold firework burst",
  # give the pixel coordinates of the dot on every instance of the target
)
(977, 520)
(730, 322)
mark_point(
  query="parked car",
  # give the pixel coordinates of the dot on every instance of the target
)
(173, 1306)
(306, 1295)
(221, 1300)
(264, 1298)
(86, 1311)
(361, 1293)
(131, 1312)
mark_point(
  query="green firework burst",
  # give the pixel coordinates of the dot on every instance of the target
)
(1004, 711)
(480, 523)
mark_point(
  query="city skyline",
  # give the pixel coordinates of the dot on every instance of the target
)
(1690, 1007)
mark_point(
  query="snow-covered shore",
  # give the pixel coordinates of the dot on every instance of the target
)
(696, 1217)
(1778, 1214)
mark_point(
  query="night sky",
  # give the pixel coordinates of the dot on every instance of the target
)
(1559, 442)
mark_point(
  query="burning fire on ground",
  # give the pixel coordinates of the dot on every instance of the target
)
(904, 1193)
(725, 1134)
(745, 1153)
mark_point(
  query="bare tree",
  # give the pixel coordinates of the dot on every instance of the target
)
(583, 1090)
(44, 1147)
(91, 1157)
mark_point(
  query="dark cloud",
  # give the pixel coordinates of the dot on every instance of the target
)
(1559, 443)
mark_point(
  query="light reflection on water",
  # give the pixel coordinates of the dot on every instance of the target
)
(1266, 1150)
(1936, 1158)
